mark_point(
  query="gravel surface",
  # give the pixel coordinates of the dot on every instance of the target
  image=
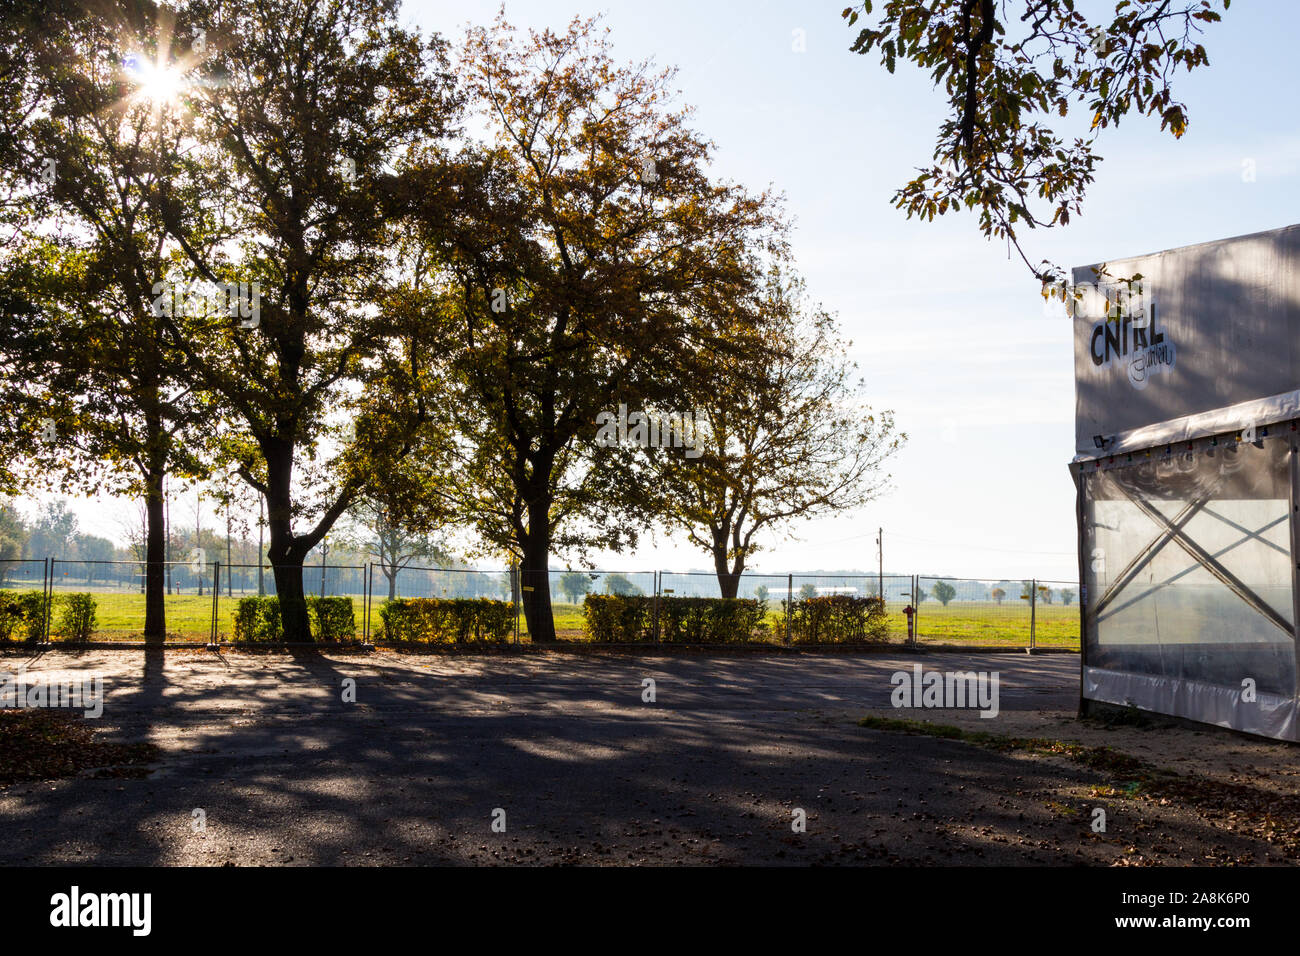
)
(287, 773)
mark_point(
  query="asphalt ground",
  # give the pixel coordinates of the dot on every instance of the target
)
(565, 753)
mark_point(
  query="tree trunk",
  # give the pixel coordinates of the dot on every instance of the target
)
(535, 570)
(293, 602)
(285, 554)
(155, 557)
(392, 583)
(728, 577)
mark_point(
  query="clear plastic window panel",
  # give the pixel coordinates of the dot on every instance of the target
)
(1188, 566)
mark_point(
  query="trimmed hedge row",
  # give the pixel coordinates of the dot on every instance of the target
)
(615, 618)
(22, 616)
(446, 620)
(838, 619)
(690, 620)
(834, 619)
(257, 619)
(619, 618)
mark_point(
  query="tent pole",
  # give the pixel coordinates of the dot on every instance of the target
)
(1081, 514)
(1295, 550)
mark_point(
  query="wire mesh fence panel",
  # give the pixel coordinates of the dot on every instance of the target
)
(772, 590)
(995, 612)
(1056, 614)
(768, 619)
(449, 583)
(387, 583)
(106, 601)
(342, 621)
(896, 588)
(22, 574)
(24, 600)
(568, 594)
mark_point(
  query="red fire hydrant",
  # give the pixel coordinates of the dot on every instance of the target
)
(909, 611)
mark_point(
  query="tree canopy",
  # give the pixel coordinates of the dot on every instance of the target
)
(1012, 71)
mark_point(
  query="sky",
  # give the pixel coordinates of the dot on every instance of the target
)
(949, 332)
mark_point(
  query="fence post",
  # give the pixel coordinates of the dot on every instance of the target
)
(369, 584)
(916, 609)
(789, 605)
(216, 597)
(1033, 610)
(659, 580)
(47, 589)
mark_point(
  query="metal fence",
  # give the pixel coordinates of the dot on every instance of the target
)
(201, 599)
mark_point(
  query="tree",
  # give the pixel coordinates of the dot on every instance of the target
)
(944, 592)
(96, 552)
(761, 593)
(1006, 77)
(378, 531)
(13, 539)
(53, 533)
(785, 436)
(309, 112)
(94, 393)
(620, 585)
(575, 584)
(807, 592)
(586, 252)
(998, 595)
(1067, 596)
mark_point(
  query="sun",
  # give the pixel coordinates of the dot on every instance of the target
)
(156, 83)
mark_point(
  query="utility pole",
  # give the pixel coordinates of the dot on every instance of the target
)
(880, 554)
(198, 530)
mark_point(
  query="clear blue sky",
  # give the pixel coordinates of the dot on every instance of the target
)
(949, 333)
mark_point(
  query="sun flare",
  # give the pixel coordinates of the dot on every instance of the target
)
(156, 83)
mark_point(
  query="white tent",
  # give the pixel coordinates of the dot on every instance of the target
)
(1187, 400)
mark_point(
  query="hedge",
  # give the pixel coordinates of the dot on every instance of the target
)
(332, 619)
(20, 615)
(837, 619)
(693, 620)
(619, 618)
(446, 620)
(257, 619)
(76, 617)
(613, 618)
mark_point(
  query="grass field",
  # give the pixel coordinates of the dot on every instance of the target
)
(120, 616)
(976, 622)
